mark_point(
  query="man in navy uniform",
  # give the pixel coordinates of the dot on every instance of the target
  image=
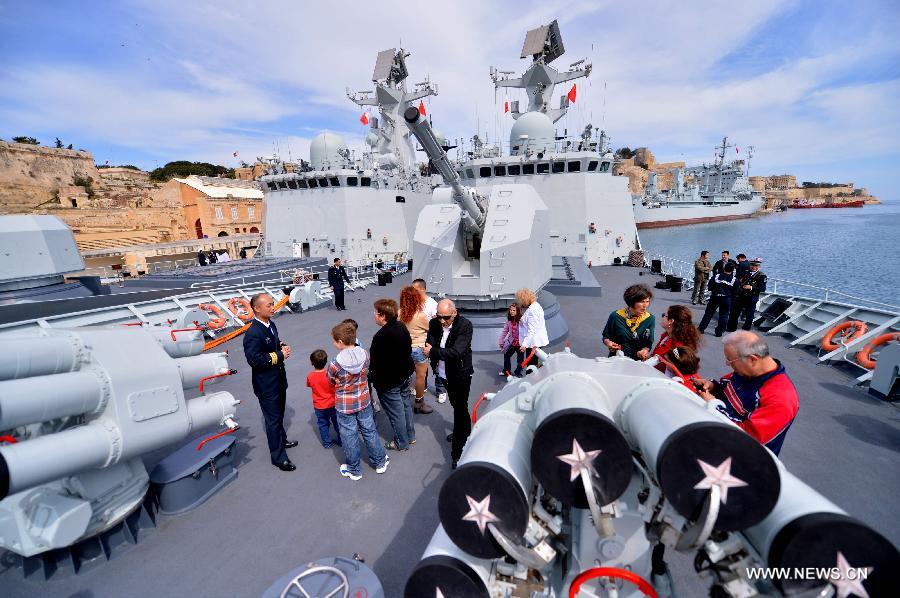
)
(750, 287)
(266, 353)
(336, 277)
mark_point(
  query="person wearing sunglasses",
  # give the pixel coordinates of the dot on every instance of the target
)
(448, 345)
(757, 395)
(678, 331)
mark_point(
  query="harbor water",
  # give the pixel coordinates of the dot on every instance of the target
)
(852, 250)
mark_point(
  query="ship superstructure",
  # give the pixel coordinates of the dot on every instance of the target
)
(361, 210)
(706, 193)
(591, 215)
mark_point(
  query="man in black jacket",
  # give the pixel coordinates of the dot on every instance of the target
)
(719, 267)
(336, 277)
(390, 368)
(449, 347)
(722, 296)
(750, 287)
(266, 353)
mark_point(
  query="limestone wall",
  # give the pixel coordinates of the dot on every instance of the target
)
(31, 175)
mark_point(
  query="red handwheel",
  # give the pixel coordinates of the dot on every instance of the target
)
(613, 572)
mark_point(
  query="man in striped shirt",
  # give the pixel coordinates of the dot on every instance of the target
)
(758, 395)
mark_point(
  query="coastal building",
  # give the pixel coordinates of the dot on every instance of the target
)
(216, 207)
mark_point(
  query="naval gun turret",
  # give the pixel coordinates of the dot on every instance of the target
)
(478, 247)
(78, 410)
(581, 476)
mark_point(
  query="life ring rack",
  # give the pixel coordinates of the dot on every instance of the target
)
(214, 322)
(240, 307)
(850, 331)
(864, 357)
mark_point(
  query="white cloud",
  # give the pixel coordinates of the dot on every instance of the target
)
(232, 71)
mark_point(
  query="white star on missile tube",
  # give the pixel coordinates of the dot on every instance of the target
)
(847, 586)
(718, 476)
(480, 512)
(438, 593)
(579, 458)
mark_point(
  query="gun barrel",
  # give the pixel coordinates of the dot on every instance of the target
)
(42, 398)
(419, 127)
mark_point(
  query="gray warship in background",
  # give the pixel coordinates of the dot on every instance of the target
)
(361, 210)
(706, 193)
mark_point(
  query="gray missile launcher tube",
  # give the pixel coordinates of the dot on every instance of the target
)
(418, 124)
(39, 356)
(446, 568)
(97, 444)
(43, 398)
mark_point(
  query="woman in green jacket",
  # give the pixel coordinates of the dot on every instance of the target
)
(631, 329)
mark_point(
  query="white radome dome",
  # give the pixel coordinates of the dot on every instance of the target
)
(540, 136)
(325, 151)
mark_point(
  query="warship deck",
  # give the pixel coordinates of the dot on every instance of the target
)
(844, 443)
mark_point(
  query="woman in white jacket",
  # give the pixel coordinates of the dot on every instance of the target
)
(532, 328)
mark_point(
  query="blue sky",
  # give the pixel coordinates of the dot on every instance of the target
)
(813, 86)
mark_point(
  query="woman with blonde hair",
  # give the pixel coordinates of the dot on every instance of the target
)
(412, 303)
(532, 327)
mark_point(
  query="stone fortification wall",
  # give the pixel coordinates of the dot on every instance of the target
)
(32, 175)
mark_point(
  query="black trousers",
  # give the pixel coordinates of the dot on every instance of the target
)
(339, 297)
(723, 305)
(744, 307)
(458, 391)
(273, 415)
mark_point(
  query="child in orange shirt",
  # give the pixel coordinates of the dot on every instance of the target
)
(323, 398)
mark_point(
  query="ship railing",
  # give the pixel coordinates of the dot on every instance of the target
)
(775, 286)
(170, 265)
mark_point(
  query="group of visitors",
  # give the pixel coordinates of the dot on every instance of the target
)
(757, 395)
(413, 334)
(734, 289)
(213, 257)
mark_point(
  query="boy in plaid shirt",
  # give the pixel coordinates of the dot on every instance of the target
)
(348, 373)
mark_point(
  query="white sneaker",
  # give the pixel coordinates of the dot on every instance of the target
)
(442, 398)
(345, 471)
(383, 468)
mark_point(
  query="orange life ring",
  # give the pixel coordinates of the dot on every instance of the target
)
(218, 321)
(859, 329)
(864, 357)
(244, 313)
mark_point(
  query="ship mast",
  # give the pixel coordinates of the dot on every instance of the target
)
(720, 162)
(544, 45)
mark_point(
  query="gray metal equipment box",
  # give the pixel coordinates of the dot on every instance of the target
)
(188, 477)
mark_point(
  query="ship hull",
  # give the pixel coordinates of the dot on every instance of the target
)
(686, 221)
(680, 215)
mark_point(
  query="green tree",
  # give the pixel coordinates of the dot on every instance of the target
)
(184, 168)
(25, 139)
(69, 146)
(59, 143)
(86, 182)
(623, 153)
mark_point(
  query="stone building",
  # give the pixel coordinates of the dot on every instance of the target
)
(216, 207)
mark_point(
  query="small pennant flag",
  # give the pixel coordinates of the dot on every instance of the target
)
(572, 93)
(505, 107)
(737, 150)
(235, 154)
(364, 119)
(421, 107)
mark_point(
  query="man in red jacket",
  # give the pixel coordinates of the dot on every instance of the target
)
(758, 395)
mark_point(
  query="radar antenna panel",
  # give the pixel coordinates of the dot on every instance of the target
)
(544, 42)
(390, 66)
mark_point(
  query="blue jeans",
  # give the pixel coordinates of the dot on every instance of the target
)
(324, 417)
(418, 355)
(351, 425)
(440, 384)
(397, 404)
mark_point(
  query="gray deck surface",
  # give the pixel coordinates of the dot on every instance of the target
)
(844, 443)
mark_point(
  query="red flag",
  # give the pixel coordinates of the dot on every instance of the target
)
(364, 119)
(235, 154)
(421, 107)
(737, 150)
(505, 107)
(572, 93)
